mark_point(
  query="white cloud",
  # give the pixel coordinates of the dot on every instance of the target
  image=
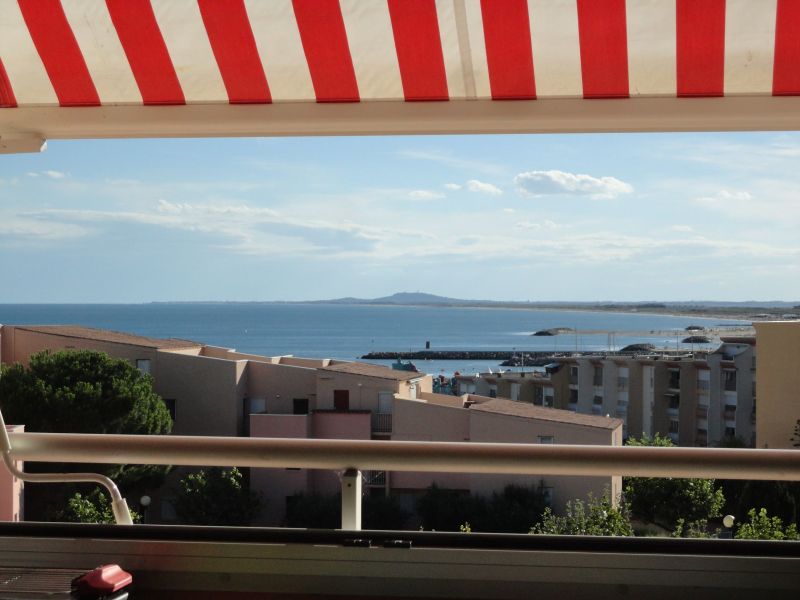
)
(682, 228)
(547, 224)
(453, 186)
(543, 183)
(528, 225)
(509, 210)
(473, 185)
(451, 161)
(425, 195)
(726, 199)
(49, 173)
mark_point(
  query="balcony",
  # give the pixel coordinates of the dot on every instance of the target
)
(381, 423)
(269, 563)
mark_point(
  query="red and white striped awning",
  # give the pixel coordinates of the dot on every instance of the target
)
(130, 54)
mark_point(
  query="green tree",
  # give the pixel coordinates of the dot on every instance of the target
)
(511, 511)
(82, 392)
(596, 516)
(92, 508)
(666, 500)
(446, 510)
(763, 527)
(216, 496)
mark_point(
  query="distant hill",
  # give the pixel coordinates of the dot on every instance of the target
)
(405, 298)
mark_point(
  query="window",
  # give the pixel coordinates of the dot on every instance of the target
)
(730, 432)
(729, 380)
(598, 376)
(493, 391)
(622, 383)
(547, 439)
(300, 406)
(573, 374)
(674, 401)
(341, 399)
(171, 407)
(143, 364)
(674, 426)
(573, 396)
(548, 396)
(538, 396)
(674, 379)
(597, 400)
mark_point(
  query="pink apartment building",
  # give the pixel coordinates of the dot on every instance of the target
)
(218, 391)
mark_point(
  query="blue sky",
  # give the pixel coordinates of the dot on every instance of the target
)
(549, 217)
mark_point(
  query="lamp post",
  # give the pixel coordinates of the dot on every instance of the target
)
(144, 502)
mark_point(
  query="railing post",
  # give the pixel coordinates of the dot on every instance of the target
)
(351, 500)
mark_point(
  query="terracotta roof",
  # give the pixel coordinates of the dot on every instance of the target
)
(105, 335)
(369, 370)
(530, 411)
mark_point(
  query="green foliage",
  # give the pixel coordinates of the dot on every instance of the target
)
(693, 529)
(511, 511)
(92, 508)
(666, 500)
(763, 527)
(82, 392)
(780, 498)
(216, 496)
(596, 516)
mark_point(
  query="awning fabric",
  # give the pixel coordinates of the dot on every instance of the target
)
(79, 53)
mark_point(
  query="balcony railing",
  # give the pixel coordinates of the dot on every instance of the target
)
(351, 456)
(381, 423)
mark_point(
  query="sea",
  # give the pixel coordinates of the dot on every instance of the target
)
(348, 332)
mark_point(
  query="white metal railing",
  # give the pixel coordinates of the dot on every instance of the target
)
(352, 456)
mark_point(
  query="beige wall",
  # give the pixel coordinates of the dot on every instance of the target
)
(280, 384)
(777, 383)
(363, 390)
(19, 344)
(419, 421)
(492, 427)
(208, 392)
(275, 485)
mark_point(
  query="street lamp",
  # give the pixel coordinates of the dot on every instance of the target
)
(144, 502)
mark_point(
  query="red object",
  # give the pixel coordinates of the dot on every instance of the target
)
(603, 37)
(146, 50)
(415, 28)
(324, 39)
(700, 47)
(104, 580)
(509, 56)
(59, 51)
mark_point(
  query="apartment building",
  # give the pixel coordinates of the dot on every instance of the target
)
(218, 391)
(695, 399)
(439, 418)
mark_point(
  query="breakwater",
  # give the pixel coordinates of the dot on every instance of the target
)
(507, 358)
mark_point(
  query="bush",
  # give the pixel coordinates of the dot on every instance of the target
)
(597, 516)
(666, 500)
(763, 527)
(216, 497)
